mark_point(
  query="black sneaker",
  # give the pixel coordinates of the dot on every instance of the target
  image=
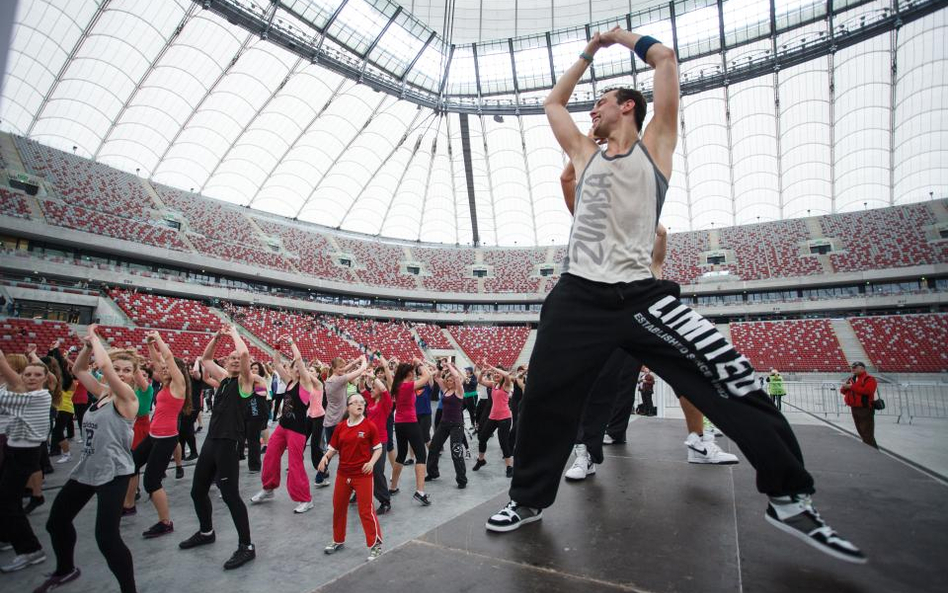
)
(52, 580)
(432, 477)
(409, 462)
(383, 508)
(127, 511)
(198, 539)
(243, 555)
(479, 464)
(35, 501)
(192, 456)
(158, 529)
(795, 515)
(199, 429)
(513, 516)
(178, 472)
(509, 471)
(422, 498)
(462, 485)
(392, 492)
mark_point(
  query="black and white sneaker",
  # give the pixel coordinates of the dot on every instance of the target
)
(422, 498)
(513, 516)
(243, 555)
(795, 515)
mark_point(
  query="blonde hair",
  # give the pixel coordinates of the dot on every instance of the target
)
(127, 355)
(17, 362)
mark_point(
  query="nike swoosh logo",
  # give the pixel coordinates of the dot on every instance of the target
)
(697, 450)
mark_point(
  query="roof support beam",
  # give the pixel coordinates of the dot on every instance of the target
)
(365, 55)
(138, 87)
(469, 175)
(418, 55)
(62, 71)
(329, 23)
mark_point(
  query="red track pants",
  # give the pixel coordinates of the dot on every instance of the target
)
(362, 486)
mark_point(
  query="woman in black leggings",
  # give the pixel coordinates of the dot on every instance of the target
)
(407, 431)
(104, 469)
(499, 418)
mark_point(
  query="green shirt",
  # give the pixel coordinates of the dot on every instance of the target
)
(144, 400)
(776, 385)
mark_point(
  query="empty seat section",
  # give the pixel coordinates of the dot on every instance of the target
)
(905, 343)
(209, 217)
(805, 345)
(768, 250)
(149, 310)
(14, 204)
(500, 345)
(433, 336)
(377, 263)
(313, 249)
(316, 337)
(390, 338)
(515, 270)
(448, 268)
(81, 219)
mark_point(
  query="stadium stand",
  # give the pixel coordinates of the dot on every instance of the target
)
(208, 217)
(432, 335)
(14, 204)
(312, 248)
(313, 336)
(447, 268)
(111, 226)
(390, 338)
(805, 345)
(768, 250)
(514, 269)
(500, 345)
(149, 310)
(905, 343)
(381, 261)
(884, 238)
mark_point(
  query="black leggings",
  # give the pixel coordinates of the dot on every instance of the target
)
(19, 463)
(70, 500)
(470, 404)
(315, 440)
(380, 483)
(253, 427)
(503, 433)
(186, 432)
(408, 433)
(64, 428)
(218, 462)
(154, 453)
(80, 412)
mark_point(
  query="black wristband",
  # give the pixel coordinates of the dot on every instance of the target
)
(642, 45)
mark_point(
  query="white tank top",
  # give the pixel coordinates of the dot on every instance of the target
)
(618, 202)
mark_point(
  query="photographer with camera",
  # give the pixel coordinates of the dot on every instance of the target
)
(859, 393)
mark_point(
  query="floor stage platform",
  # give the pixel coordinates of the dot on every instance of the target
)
(649, 521)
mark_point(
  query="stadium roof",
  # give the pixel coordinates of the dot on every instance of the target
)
(365, 115)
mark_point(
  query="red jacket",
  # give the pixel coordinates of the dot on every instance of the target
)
(861, 393)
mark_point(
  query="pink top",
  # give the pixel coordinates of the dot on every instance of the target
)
(315, 409)
(165, 421)
(405, 403)
(500, 408)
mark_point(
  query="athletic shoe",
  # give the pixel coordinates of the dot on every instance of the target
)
(263, 449)
(158, 529)
(608, 440)
(432, 477)
(138, 494)
(321, 480)
(199, 429)
(5, 546)
(303, 507)
(352, 499)
(510, 471)
(35, 501)
(704, 451)
(409, 462)
(198, 539)
(52, 580)
(513, 516)
(333, 548)
(462, 485)
(64, 458)
(262, 496)
(713, 430)
(127, 511)
(384, 508)
(582, 465)
(392, 492)
(178, 472)
(467, 454)
(375, 551)
(243, 555)
(795, 515)
(255, 470)
(479, 464)
(422, 498)
(21, 561)
(192, 456)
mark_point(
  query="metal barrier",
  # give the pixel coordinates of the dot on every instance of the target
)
(903, 401)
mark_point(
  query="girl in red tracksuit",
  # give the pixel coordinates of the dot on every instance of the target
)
(356, 441)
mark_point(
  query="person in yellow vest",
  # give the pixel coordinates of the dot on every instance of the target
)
(775, 388)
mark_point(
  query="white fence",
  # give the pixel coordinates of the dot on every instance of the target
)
(904, 401)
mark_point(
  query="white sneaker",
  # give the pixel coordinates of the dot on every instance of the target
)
(262, 496)
(64, 458)
(705, 451)
(303, 507)
(21, 561)
(582, 465)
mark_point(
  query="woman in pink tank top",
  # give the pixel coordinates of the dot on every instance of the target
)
(500, 417)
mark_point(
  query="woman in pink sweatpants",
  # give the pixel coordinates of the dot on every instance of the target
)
(290, 434)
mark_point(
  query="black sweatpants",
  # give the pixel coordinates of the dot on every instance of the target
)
(186, 433)
(109, 499)
(380, 482)
(515, 411)
(608, 391)
(19, 463)
(315, 440)
(582, 323)
(470, 404)
(154, 454)
(218, 462)
(503, 435)
(624, 404)
(252, 429)
(455, 430)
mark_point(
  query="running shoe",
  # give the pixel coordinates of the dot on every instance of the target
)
(703, 451)
(262, 496)
(64, 458)
(178, 472)
(333, 548)
(609, 440)
(432, 477)
(198, 539)
(467, 453)
(409, 462)
(243, 555)
(582, 466)
(303, 507)
(158, 529)
(384, 508)
(321, 480)
(512, 517)
(21, 561)
(35, 501)
(375, 551)
(422, 498)
(479, 464)
(192, 456)
(128, 511)
(52, 580)
(796, 516)
(5, 546)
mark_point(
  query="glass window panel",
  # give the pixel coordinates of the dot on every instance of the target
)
(494, 67)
